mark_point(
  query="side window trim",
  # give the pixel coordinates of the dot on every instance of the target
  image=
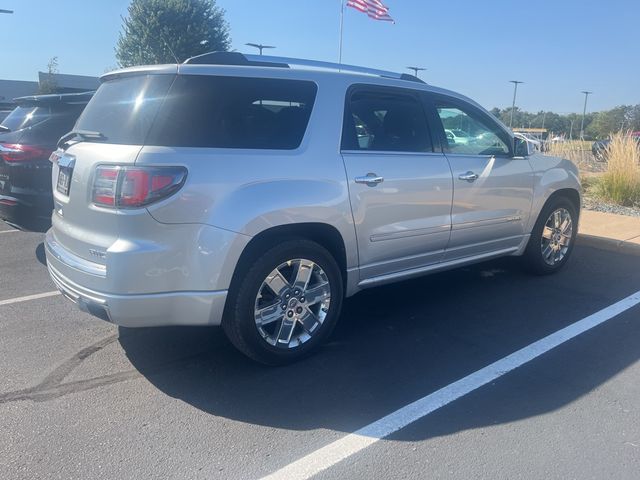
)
(347, 145)
(434, 98)
(433, 120)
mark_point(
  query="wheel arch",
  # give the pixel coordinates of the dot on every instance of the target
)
(558, 178)
(570, 194)
(324, 234)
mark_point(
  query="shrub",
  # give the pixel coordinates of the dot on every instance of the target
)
(621, 182)
(576, 151)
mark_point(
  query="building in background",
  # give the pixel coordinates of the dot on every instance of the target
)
(10, 89)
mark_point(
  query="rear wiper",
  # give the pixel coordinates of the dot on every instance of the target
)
(4, 129)
(83, 135)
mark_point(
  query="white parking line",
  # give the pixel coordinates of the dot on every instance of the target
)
(331, 454)
(9, 231)
(29, 297)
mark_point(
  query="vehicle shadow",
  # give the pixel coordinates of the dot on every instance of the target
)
(398, 343)
(40, 255)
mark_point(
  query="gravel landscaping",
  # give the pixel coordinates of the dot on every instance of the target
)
(591, 203)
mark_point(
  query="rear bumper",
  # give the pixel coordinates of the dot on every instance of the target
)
(29, 211)
(140, 310)
(25, 193)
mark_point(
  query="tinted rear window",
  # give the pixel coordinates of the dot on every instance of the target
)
(60, 120)
(25, 116)
(234, 112)
(124, 109)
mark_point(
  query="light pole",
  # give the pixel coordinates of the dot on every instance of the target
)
(259, 46)
(513, 105)
(571, 130)
(416, 70)
(584, 113)
(6, 11)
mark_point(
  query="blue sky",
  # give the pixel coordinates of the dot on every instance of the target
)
(558, 47)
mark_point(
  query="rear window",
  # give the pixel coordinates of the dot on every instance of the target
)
(123, 109)
(234, 112)
(25, 116)
(201, 111)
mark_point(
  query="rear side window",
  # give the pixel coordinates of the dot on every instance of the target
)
(385, 120)
(123, 109)
(234, 112)
(25, 117)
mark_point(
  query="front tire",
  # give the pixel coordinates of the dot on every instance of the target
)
(286, 303)
(552, 238)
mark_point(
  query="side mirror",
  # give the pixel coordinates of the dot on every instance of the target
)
(522, 148)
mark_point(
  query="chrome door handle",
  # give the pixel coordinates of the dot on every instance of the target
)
(469, 176)
(370, 179)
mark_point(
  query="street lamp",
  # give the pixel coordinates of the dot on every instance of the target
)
(584, 112)
(6, 11)
(259, 46)
(416, 70)
(513, 105)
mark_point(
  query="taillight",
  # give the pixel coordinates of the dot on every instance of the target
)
(105, 185)
(135, 187)
(15, 153)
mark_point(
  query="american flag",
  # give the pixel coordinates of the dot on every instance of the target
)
(373, 8)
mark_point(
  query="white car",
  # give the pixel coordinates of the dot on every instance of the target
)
(537, 144)
(458, 136)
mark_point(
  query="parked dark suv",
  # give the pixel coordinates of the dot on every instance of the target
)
(28, 135)
(600, 148)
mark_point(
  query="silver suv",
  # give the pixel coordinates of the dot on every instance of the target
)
(240, 191)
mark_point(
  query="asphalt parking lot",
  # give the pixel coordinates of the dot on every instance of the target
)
(80, 398)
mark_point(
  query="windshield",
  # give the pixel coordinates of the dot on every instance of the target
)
(123, 109)
(24, 117)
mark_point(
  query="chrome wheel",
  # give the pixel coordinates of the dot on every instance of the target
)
(292, 303)
(556, 236)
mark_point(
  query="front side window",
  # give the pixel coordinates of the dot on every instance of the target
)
(469, 134)
(385, 121)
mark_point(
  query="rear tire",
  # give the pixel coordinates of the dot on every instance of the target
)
(552, 238)
(286, 303)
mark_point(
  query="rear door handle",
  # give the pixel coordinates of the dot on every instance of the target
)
(469, 176)
(370, 179)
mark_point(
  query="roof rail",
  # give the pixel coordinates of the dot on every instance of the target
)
(235, 58)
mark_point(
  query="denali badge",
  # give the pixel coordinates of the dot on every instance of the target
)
(97, 254)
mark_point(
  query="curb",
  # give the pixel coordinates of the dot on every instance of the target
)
(609, 244)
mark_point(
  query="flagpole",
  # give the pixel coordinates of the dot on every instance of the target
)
(341, 30)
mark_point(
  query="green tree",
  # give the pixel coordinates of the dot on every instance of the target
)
(161, 31)
(48, 84)
(610, 121)
(634, 119)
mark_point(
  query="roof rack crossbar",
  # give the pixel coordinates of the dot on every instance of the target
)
(235, 58)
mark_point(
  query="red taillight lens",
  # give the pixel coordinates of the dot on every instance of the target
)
(15, 153)
(135, 187)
